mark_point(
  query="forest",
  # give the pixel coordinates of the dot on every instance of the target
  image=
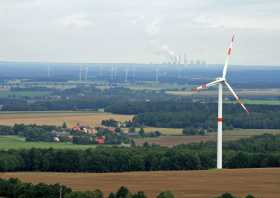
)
(255, 152)
(204, 116)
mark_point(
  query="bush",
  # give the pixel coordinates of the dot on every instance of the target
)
(110, 123)
(139, 195)
(250, 196)
(226, 195)
(194, 131)
(165, 194)
(87, 194)
(123, 192)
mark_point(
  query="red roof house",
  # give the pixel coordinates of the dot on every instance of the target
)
(100, 140)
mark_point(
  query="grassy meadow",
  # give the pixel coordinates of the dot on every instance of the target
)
(16, 142)
(7, 93)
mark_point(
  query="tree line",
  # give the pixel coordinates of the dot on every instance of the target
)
(31, 132)
(256, 152)
(14, 188)
(78, 98)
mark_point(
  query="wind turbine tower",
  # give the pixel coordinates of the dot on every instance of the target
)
(80, 74)
(133, 72)
(49, 71)
(100, 72)
(126, 75)
(115, 72)
(112, 73)
(86, 73)
(221, 81)
(157, 75)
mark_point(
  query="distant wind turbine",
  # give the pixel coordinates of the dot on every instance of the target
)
(86, 73)
(112, 72)
(100, 72)
(49, 71)
(133, 73)
(126, 75)
(220, 81)
(157, 74)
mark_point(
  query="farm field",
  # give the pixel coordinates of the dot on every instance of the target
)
(262, 102)
(58, 117)
(201, 184)
(163, 131)
(5, 94)
(15, 142)
(155, 86)
(171, 140)
(241, 92)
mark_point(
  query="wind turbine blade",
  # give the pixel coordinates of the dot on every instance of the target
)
(236, 97)
(229, 51)
(206, 86)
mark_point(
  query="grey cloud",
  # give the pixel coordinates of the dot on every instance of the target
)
(126, 30)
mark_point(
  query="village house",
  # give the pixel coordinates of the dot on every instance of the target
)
(100, 140)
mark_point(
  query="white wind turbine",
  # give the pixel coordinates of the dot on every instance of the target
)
(220, 81)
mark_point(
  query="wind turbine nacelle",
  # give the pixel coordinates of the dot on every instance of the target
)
(220, 79)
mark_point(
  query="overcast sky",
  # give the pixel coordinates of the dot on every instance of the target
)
(139, 30)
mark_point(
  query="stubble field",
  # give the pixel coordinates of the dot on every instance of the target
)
(184, 184)
(57, 118)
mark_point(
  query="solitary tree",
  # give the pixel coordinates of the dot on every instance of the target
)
(139, 195)
(123, 192)
(64, 125)
(142, 132)
(112, 195)
(226, 195)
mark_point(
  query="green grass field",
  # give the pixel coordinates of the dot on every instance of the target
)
(262, 102)
(256, 102)
(16, 142)
(243, 93)
(5, 94)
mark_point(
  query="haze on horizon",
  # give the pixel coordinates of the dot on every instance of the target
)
(139, 30)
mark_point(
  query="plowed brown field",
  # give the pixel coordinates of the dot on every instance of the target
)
(263, 183)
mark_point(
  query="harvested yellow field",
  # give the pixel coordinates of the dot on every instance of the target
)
(57, 118)
(184, 184)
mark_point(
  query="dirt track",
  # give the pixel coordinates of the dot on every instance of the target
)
(263, 183)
